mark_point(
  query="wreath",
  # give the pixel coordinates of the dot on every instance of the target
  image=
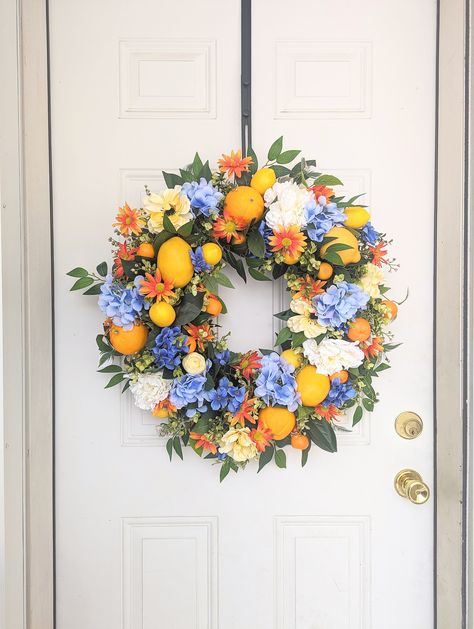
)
(161, 299)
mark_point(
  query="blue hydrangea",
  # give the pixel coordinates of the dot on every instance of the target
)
(339, 393)
(222, 358)
(321, 216)
(226, 396)
(276, 383)
(339, 304)
(120, 304)
(170, 344)
(202, 196)
(369, 234)
(189, 389)
(198, 261)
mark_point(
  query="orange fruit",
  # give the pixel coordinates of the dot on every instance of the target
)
(312, 386)
(325, 271)
(128, 342)
(392, 307)
(240, 239)
(343, 236)
(280, 421)
(299, 442)
(263, 179)
(289, 259)
(359, 329)
(342, 376)
(146, 250)
(214, 306)
(245, 203)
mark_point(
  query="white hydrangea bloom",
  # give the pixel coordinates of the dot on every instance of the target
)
(237, 444)
(286, 202)
(302, 322)
(371, 280)
(332, 355)
(149, 389)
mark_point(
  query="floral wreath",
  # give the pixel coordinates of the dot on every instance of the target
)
(161, 301)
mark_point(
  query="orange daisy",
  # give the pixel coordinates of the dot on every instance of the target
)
(203, 442)
(198, 335)
(288, 240)
(322, 191)
(247, 364)
(378, 253)
(327, 412)
(245, 413)
(129, 221)
(234, 164)
(157, 287)
(228, 227)
(261, 436)
(372, 348)
(307, 288)
(123, 253)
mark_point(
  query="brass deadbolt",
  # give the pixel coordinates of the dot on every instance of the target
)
(409, 425)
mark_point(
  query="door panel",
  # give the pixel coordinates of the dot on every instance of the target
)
(145, 544)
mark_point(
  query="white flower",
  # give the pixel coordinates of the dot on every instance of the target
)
(302, 322)
(371, 280)
(332, 355)
(194, 363)
(286, 202)
(171, 202)
(149, 389)
(237, 444)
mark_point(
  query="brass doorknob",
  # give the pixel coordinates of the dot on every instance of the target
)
(411, 486)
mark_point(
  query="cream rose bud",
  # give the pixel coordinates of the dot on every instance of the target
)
(194, 363)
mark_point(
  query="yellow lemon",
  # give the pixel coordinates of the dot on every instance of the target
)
(162, 314)
(292, 357)
(212, 253)
(357, 217)
(280, 421)
(263, 179)
(128, 342)
(312, 386)
(343, 236)
(289, 259)
(244, 203)
(174, 261)
(161, 413)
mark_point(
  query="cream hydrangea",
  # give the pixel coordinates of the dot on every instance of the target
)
(148, 389)
(286, 202)
(371, 280)
(194, 363)
(171, 202)
(332, 355)
(302, 321)
(237, 444)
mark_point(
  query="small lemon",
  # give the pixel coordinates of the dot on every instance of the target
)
(162, 314)
(212, 253)
(263, 179)
(292, 357)
(357, 217)
(325, 271)
(289, 259)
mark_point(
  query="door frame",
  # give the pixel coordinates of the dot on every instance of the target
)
(28, 316)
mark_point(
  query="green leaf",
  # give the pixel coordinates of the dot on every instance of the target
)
(202, 426)
(126, 385)
(186, 229)
(205, 172)
(189, 308)
(102, 269)
(197, 165)
(168, 225)
(111, 369)
(265, 457)
(210, 283)
(368, 404)
(382, 367)
(280, 458)
(328, 180)
(223, 280)
(116, 379)
(358, 413)
(82, 282)
(235, 263)
(172, 179)
(225, 469)
(333, 257)
(258, 275)
(298, 338)
(101, 344)
(287, 156)
(177, 447)
(304, 455)
(256, 244)
(169, 448)
(254, 165)
(284, 315)
(280, 171)
(94, 290)
(283, 335)
(162, 237)
(78, 272)
(322, 434)
(275, 149)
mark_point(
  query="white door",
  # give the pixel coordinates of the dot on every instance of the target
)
(145, 544)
